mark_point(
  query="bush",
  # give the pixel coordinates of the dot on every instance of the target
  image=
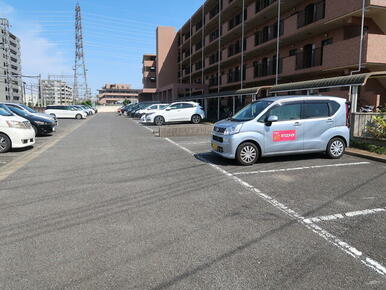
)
(369, 147)
(377, 127)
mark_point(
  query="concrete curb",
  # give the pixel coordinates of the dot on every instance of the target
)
(366, 154)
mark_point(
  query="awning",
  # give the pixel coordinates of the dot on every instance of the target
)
(344, 81)
(242, 92)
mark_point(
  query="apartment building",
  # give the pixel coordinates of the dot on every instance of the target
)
(56, 92)
(117, 93)
(10, 65)
(149, 77)
(230, 45)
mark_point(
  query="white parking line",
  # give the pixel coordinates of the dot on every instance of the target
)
(344, 215)
(144, 126)
(301, 168)
(369, 262)
(194, 143)
(147, 128)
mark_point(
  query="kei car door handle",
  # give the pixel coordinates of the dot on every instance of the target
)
(297, 124)
(330, 120)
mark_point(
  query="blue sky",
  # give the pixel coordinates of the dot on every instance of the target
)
(116, 35)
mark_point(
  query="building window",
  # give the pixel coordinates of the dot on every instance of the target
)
(266, 67)
(214, 58)
(235, 21)
(234, 48)
(312, 13)
(234, 75)
(327, 42)
(214, 35)
(293, 52)
(309, 57)
(268, 33)
(214, 12)
(261, 4)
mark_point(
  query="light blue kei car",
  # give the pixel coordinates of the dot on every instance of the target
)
(284, 125)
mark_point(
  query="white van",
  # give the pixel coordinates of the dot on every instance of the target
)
(15, 132)
(66, 112)
(284, 125)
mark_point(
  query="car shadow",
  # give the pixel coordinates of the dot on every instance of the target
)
(212, 158)
(21, 149)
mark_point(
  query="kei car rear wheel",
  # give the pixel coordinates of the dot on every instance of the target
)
(335, 148)
(247, 153)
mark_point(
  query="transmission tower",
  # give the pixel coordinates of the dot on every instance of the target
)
(80, 89)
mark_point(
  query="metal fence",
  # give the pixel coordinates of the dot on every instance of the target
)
(360, 122)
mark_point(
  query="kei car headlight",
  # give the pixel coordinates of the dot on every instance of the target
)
(233, 130)
(17, 124)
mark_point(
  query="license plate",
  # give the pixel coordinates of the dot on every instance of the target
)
(214, 147)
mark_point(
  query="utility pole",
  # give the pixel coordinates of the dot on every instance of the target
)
(278, 41)
(40, 96)
(80, 71)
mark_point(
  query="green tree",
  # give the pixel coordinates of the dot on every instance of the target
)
(126, 102)
(87, 103)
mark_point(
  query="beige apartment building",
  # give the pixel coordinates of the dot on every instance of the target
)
(111, 94)
(56, 92)
(243, 49)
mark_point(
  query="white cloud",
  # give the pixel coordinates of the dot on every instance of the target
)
(39, 54)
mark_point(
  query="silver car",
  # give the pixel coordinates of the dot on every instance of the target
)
(284, 125)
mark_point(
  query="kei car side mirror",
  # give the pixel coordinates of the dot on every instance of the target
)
(271, 119)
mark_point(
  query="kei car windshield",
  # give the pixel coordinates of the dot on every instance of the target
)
(251, 111)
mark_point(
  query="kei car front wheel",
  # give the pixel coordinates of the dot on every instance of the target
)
(247, 153)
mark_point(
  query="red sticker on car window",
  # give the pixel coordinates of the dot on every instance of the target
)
(280, 136)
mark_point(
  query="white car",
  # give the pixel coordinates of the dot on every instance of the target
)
(150, 110)
(69, 112)
(87, 110)
(177, 112)
(15, 132)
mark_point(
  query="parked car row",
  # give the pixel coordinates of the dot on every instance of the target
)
(20, 124)
(160, 114)
(70, 112)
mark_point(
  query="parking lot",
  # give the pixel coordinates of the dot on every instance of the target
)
(65, 125)
(342, 200)
(111, 206)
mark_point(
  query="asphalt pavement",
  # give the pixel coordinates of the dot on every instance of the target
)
(110, 206)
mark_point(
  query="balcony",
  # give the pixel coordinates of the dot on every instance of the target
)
(338, 56)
